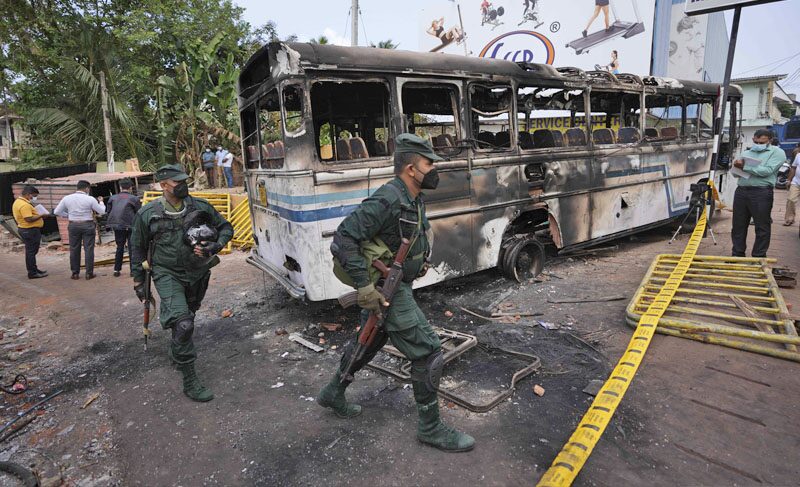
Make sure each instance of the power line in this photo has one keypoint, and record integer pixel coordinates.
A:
(781, 64)
(769, 64)
(363, 25)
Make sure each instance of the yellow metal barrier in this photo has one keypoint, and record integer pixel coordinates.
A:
(220, 201)
(574, 454)
(242, 226)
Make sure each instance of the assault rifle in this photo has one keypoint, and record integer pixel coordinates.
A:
(148, 296)
(392, 277)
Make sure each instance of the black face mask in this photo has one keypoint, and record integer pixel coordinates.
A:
(430, 180)
(181, 190)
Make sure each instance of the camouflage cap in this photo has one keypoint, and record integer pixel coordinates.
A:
(171, 171)
(415, 144)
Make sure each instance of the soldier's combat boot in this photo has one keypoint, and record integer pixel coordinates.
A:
(432, 431)
(192, 387)
(332, 396)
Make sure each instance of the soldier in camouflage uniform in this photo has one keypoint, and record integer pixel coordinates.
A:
(180, 272)
(405, 325)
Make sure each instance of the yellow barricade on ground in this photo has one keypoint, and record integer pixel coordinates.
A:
(220, 201)
(242, 226)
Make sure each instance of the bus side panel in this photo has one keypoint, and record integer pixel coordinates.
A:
(572, 212)
(288, 229)
(338, 198)
(493, 185)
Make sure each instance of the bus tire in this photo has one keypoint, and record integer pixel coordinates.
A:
(524, 259)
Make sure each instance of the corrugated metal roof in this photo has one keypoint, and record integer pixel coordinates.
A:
(770, 77)
(92, 177)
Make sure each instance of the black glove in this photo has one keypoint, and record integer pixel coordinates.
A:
(138, 288)
(211, 248)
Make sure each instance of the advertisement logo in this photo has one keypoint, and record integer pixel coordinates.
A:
(521, 46)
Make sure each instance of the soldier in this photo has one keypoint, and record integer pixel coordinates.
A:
(181, 235)
(379, 219)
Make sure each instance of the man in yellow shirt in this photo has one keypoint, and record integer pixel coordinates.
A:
(30, 225)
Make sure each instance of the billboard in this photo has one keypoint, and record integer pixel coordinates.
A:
(697, 7)
(687, 45)
(615, 35)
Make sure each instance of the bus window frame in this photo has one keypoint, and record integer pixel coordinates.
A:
(456, 101)
(257, 132)
(527, 121)
(387, 83)
(304, 110)
(512, 114)
(261, 144)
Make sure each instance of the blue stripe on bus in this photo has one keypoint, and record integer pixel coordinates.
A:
(320, 198)
(305, 216)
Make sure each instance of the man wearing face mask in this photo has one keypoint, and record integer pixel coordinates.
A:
(180, 271)
(29, 225)
(753, 198)
(394, 211)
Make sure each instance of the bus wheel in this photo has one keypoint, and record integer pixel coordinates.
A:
(524, 259)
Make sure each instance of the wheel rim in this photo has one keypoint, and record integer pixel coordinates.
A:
(525, 260)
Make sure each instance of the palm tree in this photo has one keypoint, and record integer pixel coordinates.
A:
(320, 40)
(387, 44)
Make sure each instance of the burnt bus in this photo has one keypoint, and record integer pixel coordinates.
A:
(534, 155)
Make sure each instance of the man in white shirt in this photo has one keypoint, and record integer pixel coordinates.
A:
(227, 168)
(794, 190)
(79, 208)
(218, 156)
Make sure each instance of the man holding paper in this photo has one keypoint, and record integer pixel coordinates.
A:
(753, 199)
(30, 222)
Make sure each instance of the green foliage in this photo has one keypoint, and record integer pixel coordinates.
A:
(387, 44)
(787, 110)
(170, 66)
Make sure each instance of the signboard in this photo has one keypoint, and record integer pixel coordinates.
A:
(591, 35)
(687, 45)
(697, 7)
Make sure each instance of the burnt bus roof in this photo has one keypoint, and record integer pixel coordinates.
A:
(287, 59)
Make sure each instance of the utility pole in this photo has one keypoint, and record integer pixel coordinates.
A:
(106, 122)
(354, 25)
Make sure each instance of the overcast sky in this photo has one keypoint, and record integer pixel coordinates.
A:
(767, 34)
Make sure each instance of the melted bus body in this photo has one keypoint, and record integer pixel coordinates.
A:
(533, 154)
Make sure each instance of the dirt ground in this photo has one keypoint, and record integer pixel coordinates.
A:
(695, 414)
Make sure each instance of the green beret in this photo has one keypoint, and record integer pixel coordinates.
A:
(171, 171)
(415, 144)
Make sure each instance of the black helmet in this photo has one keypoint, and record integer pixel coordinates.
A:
(196, 235)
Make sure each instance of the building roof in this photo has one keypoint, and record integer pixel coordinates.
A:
(758, 79)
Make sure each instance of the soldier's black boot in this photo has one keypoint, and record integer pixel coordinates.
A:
(332, 396)
(192, 387)
(431, 430)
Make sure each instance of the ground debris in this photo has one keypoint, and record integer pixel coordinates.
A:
(227, 313)
(295, 337)
(331, 326)
(90, 400)
(538, 390)
(594, 386)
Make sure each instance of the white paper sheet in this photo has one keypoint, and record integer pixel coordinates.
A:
(41, 210)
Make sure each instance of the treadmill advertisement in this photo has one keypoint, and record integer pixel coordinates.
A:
(613, 35)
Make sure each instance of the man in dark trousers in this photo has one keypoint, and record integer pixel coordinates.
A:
(121, 209)
(753, 198)
(385, 216)
(80, 209)
(29, 225)
(183, 234)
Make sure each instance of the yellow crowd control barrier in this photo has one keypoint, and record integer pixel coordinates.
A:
(730, 301)
(576, 451)
(242, 226)
(220, 201)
